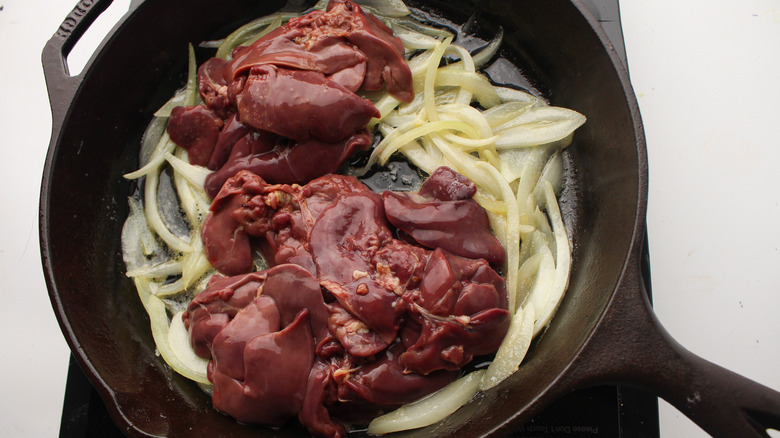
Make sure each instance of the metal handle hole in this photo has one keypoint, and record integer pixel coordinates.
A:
(88, 43)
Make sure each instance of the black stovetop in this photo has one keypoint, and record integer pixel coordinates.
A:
(599, 412)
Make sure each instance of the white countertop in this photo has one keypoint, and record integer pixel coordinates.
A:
(707, 77)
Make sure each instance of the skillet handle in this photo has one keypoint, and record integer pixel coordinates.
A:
(60, 84)
(634, 348)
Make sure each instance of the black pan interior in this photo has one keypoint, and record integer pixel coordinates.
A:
(84, 205)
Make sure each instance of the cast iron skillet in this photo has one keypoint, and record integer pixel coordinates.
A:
(604, 332)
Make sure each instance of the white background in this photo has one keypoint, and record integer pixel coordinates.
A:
(707, 77)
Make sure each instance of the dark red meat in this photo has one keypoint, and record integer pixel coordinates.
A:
(301, 105)
(278, 160)
(389, 321)
(287, 102)
(196, 129)
(443, 215)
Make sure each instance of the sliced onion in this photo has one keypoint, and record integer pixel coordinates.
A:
(509, 94)
(157, 158)
(511, 234)
(475, 83)
(431, 74)
(160, 325)
(419, 157)
(156, 270)
(390, 144)
(179, 339)
(512, 351)
(247, 31)
(563, 261)
(151, 138)
(541, 125)
(195, 175)
(154, 218)
(540, 292)
(487, 52)
(194, 264)
(552, 173)
(506, 112)
(430, 409)
(413, 40)
(178, 99)
(385, 8)
(417, 26)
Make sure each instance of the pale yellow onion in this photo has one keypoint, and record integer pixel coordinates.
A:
(187, 201)
(385, 105)
(430, 409)
(160, 326)
(490, 204)
(156, 222)
(430, 79)
(475, 83)
(385, 8)
(527, 171)
(419, 67)
(440, 125)
(179, 340)
(512, 232)
(542, 116)
(526, 276)
(552, 173)
(464, 96)
(157, 158)
(151, 138)
(434, 152)
(156, 270)
(395, 119)
(149, 244)
(470, 144)
(563, 261)
(468, 114)
(415, 25)
(541, 291)
(543, 225)
(413, 40)
(195, 175)
(540, 125)
(498, 225)
(513, 161)
(532, 244)
(483, 54)
(532, 250)
(508, 94)
(164, 290)
(487, 52)
(419, 157)
(490, 155)
(505, 112)
(178, 99)
(194, 264)
(512, 351)
(245, 32)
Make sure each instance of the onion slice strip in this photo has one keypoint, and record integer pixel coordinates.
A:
(511, 352)
(562, 260)
(158, 316)
(430, 409)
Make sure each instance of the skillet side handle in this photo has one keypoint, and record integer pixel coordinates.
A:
(60, 84)
(634, 348)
